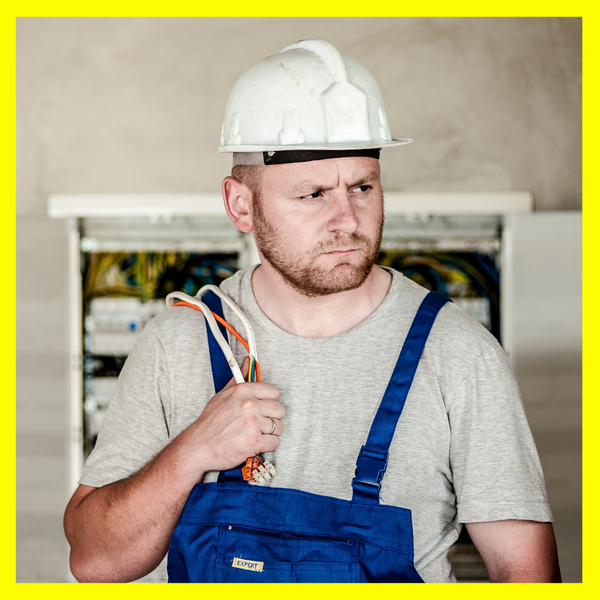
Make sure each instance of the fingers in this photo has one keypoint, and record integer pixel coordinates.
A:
(272, 408)
(263, 391)
(237, 423)
(271, 426)
(259, 398)
(269, 443)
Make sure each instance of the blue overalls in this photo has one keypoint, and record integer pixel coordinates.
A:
(231, 531)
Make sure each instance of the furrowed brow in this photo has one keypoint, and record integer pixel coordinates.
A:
(305, 187)
(308, 186)
(372, 177)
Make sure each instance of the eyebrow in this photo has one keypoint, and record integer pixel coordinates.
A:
(371, 177)
(309, 184)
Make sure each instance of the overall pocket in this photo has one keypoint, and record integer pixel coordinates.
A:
(250, 555)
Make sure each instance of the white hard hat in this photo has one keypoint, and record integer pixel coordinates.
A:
(308, 97)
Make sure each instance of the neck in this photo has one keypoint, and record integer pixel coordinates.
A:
(321, 316)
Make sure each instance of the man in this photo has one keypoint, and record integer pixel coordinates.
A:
(306, 126)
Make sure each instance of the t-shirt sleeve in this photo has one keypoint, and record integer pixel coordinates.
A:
(136, 425)
(495, 467)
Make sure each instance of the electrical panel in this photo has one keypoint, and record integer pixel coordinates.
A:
(122, 291)
(458, 256)
(127, 268)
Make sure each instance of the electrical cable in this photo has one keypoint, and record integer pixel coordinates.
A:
(254, 365)
(211, 318)
(264, 470)
(237, 310)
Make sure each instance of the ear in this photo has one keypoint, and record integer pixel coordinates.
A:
(238, 203)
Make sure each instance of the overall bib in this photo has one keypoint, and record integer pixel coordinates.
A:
(232, 531)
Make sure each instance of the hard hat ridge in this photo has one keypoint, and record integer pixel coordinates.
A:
(306, 97)
(327, 52)
(345, 105)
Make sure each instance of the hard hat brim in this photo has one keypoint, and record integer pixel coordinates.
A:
(317, 146)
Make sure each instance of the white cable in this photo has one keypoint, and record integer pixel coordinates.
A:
(266, 471)
(212, 323)
(237, 310)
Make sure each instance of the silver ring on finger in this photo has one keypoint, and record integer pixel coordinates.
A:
(274, 425)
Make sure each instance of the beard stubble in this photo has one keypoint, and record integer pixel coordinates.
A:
(303, 274)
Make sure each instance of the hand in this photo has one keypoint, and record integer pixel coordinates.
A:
(236, 423)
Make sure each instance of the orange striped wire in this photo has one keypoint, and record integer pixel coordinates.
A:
(228, 327)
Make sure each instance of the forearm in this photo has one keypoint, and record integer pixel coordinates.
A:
(541, 569)
(517, 551)
(525, 576)
(121, 531)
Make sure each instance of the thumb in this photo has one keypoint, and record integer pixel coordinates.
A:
(244, 369)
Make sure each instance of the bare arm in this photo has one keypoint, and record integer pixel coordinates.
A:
(121, 531)
(517, 551)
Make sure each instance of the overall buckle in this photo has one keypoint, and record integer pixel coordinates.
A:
(370, 468)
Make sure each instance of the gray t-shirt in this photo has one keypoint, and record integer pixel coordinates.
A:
(462, 451)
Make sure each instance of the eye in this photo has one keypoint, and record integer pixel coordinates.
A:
(362, 188)
(312, 196)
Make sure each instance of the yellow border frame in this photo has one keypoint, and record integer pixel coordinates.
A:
(306, 8)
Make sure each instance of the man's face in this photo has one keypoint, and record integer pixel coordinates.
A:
(319, 223)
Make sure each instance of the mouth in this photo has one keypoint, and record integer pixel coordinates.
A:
(342, 252)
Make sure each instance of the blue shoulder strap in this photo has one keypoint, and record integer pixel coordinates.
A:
(372, 460)
(220, 370)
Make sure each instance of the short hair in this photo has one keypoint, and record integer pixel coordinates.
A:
(250, 176)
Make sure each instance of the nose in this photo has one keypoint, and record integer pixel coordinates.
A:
(343, 218)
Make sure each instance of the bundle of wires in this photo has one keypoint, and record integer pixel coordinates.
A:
(266, 470)
(254, 367)
(182, 299)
